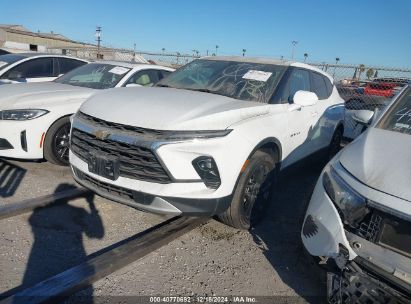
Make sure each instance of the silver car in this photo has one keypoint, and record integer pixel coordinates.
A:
(358, 222)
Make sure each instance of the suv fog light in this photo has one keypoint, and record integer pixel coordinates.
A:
(208, 171)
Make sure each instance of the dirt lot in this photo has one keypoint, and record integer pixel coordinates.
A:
(210, 260)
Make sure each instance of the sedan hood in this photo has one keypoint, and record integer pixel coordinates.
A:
(381, 159)
(40, 95)
(170, 109)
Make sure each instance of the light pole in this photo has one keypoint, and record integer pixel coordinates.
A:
(305, 57)
(162, 50)
(294, 43)
(98, 37)
(244, 50)
(216, 48)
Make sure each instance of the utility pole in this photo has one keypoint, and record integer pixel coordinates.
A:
(294, 43)
(98, 37)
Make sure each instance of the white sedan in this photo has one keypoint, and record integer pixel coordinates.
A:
(35, 117)
(32, 67)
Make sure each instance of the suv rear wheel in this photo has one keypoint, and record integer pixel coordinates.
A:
(253, 192)
(56, 144)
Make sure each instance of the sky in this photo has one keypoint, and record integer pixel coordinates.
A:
(372, 32)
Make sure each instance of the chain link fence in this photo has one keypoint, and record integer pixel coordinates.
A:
(363, 87)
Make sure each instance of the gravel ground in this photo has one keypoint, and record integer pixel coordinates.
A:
(211, 260)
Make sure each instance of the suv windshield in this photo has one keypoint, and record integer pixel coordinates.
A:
(240, 80)
(6, 60)
(398, 117)
(95, 76)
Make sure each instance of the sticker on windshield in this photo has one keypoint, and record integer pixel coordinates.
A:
(2, 63)
(257, 75)
(119, 70)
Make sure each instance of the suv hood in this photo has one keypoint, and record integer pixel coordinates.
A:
(381, 159)
(40, 95)
(170, 109)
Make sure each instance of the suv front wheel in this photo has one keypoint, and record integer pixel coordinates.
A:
(253, 192)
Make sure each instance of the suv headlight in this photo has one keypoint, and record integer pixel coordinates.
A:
(22, 114)
(351, 205)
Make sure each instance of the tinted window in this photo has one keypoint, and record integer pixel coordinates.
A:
(146, 78)
(299, 80)
(318, 86)
(66, 64)
(40, 67)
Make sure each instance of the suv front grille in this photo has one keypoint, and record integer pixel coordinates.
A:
(136, 162)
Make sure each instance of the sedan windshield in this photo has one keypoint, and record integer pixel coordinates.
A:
(8, 59)
(94, 76)
(240, 80)
(398, 117)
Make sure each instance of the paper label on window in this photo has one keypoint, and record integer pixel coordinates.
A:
(257, 75)
(119, 70)
(2, 63)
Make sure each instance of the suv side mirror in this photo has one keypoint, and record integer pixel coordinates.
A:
(363, 117)
(305, 98)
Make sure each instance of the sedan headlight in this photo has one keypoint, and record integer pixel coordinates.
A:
(22, 114)
(351, 205)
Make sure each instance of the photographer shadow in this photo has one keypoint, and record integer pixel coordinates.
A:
(58, 231)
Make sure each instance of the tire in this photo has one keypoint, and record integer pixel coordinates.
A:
(335, 144)
(56, 143)
(252, 193)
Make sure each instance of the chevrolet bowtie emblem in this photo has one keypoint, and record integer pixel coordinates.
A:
(101, 134)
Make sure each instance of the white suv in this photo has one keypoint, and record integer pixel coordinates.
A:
(207, 140)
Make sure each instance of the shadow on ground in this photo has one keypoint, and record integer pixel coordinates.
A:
(10, 178)
(58, 231)
(278, 234)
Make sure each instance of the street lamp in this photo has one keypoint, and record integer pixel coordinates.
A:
(216, 48)
(244, 50)
(305, 57)
(336, 62)
(294, 43)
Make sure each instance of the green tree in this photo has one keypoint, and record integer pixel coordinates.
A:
(370, 73)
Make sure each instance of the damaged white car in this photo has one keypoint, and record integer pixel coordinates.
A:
(359, 219)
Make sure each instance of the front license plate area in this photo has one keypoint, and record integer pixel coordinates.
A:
(104, 165)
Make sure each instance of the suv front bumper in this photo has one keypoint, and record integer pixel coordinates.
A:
(152, 203)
